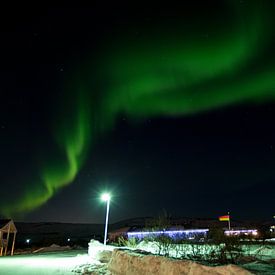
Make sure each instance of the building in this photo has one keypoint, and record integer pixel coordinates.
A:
(7, 228)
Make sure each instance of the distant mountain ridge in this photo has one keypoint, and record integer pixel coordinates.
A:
(73, 233)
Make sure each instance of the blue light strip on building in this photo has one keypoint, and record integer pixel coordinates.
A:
(170, 233)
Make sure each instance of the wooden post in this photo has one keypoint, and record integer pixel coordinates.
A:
(1, 243)
(13, 242)
(6, 248)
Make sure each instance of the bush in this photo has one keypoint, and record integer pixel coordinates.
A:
(132, 242)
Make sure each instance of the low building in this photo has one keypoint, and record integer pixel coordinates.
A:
(120, 232)
(187, 234)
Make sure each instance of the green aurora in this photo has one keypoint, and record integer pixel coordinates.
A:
(168, 71)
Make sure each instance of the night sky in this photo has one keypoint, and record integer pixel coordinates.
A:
(167, 107)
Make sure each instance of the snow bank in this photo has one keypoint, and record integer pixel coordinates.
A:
(99, 252)
(131, 263)
(270, 240)
(53, 248)
(263, 251)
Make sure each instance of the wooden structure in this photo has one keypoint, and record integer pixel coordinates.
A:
(7, 228)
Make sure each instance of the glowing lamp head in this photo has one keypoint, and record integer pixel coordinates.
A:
(105, 197)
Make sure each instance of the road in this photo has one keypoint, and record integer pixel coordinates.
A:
(43, 264)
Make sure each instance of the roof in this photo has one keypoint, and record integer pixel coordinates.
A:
(120, 231)
(4, 222)
(7, 224)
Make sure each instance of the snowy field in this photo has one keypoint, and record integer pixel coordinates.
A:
(44, 264)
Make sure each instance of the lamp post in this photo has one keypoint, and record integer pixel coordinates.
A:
(106, 197)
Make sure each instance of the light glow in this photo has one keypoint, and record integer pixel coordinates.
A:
(53, 262)
(106, 197)
(242, 232)
(170, 233)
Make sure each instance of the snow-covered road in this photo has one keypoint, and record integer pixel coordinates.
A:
(43, 264)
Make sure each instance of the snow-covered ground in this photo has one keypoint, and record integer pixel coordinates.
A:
(260, 258)
(53, 261)
(261, 252)
(44, 264)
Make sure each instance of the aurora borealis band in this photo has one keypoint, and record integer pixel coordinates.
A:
(195, 60)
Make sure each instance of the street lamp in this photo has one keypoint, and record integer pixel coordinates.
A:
(106, 197)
